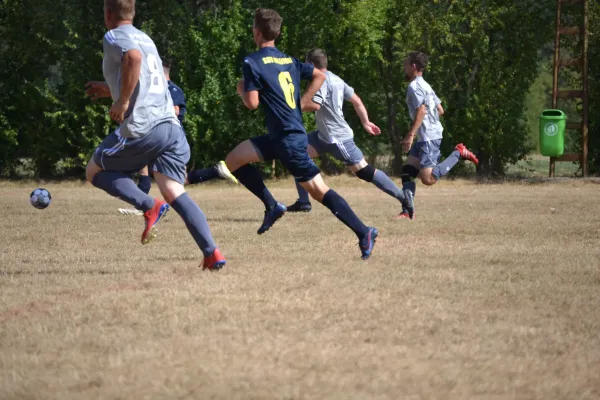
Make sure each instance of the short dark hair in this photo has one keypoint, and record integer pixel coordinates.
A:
(125, 9)
(418, 58)
(318, 57)
(268, 22)
(167, 63)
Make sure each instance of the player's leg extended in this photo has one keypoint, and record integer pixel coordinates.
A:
(249, 151)
(169, 172)
(219, 170)
(431, 171)
(342, 210)
(303, 202)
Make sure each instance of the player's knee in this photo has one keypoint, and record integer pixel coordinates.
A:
(409, 173)
(428, 180)
(367, 173)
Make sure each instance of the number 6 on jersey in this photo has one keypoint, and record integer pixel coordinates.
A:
(285, 80)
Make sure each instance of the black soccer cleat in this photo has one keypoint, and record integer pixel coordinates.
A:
(299, 207)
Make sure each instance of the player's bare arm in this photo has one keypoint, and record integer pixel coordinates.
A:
(407, 142)
(440, 110)
(315, 84)
(97, 90)
(250, 99)
(130, 72)
(362, 113)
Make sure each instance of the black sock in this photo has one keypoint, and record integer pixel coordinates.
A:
(251, 179)
(144, 183)
(202, 175)
(340, 208)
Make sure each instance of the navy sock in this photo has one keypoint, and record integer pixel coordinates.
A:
(340, 208)
(144, 183)
(445, 166)
(302, 194)
(195, 220)
(122, 186)
(251, 179)
(202, 175)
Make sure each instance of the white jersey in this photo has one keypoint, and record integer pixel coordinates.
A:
(420, 93)
(332, 126)
(150, 104)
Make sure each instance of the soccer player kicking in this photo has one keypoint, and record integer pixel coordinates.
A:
(425, 109)
(334, 135)
(272, 78)
(149, 132)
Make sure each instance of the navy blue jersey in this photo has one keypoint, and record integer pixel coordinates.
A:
(276, 76)
(178, 99)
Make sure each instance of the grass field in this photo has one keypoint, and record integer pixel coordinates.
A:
(488, 294)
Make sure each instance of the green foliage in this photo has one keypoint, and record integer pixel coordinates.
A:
(483, 58)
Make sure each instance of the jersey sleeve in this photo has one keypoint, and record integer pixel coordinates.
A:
(306, 70)
(321, 95)
(251, 78)
(115, 45)
(415, 98)
(348, 91)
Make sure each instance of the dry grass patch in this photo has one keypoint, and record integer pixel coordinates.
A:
(487, 294)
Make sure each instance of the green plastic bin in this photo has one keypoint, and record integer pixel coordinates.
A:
(552, 133)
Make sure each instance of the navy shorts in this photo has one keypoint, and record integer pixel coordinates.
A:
(165, 150)
(428, 152)
(291, 150)
(346, 151)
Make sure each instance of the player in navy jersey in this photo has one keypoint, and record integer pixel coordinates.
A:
(272, 79)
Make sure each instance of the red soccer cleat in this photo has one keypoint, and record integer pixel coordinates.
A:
(467, 154)
(153, 217)
(214, 262)
(404, 215)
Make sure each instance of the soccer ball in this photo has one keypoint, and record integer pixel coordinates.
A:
(40, 198)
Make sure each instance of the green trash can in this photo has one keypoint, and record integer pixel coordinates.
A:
(552, 133)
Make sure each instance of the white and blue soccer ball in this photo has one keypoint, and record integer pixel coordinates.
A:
(40, 198)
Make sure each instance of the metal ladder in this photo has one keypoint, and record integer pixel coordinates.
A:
(582, 63)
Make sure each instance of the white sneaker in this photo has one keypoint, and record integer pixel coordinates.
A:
(129, 211)
(224, 172)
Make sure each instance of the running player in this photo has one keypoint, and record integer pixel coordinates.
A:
(334, 135)
(179, 104)
(272, 78)
(425, 109)
(149, 132)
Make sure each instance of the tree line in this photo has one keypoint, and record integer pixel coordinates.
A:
(484, 57)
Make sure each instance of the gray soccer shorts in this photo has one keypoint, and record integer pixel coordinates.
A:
(428, 152)
(346, 151)
(165, 150)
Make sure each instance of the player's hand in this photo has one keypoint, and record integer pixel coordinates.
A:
(407, 143)
(97, 90)
(118, 110)
(372, 129)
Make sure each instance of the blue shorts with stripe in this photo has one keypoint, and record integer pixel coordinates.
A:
(427, 152)
(346, 151)
(291, 150)
(165, 150)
